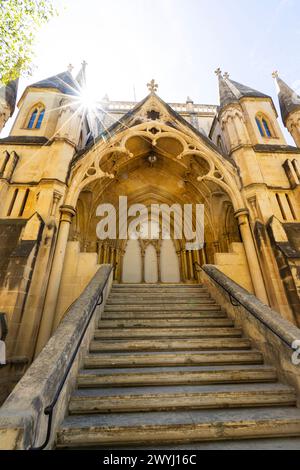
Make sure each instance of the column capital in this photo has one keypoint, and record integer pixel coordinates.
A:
(241, 212)
(67, 213)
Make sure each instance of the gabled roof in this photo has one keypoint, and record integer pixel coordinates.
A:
(232, 92)
(8, 94)
(129, 119)
(289, 100)
(64, 82)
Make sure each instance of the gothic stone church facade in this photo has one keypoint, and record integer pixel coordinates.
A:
(59, 163)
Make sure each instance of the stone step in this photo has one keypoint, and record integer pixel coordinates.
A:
(207, 316)
(149, 295)
(163, 324)
(142, 333)
(180, 398)
(207, 358)
(160, 292)
(159, 287)
(159, 301)
(161, 428)
(207, 306)
(170, 345)
(141, 377)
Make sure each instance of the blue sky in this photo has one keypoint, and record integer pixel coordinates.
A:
(180, 43)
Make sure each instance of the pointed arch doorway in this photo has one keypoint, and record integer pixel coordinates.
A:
(150, 262)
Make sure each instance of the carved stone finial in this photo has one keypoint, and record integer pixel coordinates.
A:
(152, 86)
(226, 75)
(275, 74)
(70, 68)
(218, 72)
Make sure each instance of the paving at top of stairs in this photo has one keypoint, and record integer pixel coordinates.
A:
(168, 367)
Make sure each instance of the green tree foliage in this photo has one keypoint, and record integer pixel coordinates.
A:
(19, 22)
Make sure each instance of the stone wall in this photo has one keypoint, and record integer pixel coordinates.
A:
(23, 423)
(234, 265)
(271, 334)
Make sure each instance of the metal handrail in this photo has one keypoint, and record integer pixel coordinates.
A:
(48, 411)
(231, 297)
(240, 303)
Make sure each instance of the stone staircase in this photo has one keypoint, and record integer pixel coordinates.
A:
(168, 367)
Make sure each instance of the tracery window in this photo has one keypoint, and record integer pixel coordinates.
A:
(36, 117)
(264, 126)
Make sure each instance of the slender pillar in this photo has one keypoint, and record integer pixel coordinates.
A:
(118, 268)
(122, 253)
(252, 257)
(158, 267)
(184, 273)
(186, 265)
(197, 258)
(143, 267)
(105, 254)
(49, 321)
(191, 265)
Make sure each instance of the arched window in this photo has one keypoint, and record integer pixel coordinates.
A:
(264, 126)
(260, 127)
(36, 117)
(40, 119)
(32, 119)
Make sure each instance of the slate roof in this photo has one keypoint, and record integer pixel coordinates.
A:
(232, 92)
(64, 82)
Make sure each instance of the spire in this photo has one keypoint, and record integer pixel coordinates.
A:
(8, 95)
(226, 93)
(232, 92)
(289, 100)
(81, 77)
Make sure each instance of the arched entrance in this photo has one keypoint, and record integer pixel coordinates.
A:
(169, 172)
(160, 161)
(150, 262)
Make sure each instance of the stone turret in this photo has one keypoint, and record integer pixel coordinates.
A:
(247, 116)
(289, 102)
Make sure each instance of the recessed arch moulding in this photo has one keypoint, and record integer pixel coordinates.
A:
(184, 171)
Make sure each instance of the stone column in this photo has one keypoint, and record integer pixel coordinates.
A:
(184, 274)
(197, 258)
(49, 320)
(122, 253)
(204, 254)
(158, 267)
(105, 254)
(191, 265)
(251, 254)
(143, 254)
(186, 265)
(118, 261)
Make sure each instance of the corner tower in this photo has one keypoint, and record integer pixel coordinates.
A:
(289, 102)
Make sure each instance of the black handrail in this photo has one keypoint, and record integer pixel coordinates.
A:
(239, 303)
(48, 411)
(231, 297)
